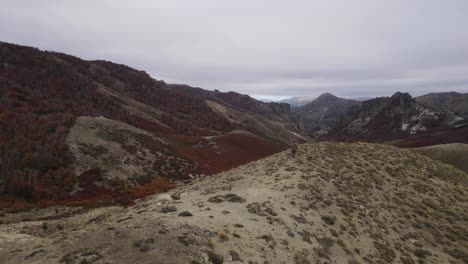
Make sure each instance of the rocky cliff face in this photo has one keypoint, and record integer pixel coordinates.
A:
(394, 117)
(456, 102)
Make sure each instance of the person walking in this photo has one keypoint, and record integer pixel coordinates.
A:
(294, 149)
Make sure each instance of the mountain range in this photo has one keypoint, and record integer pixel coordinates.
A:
(399, 119)
(101, 163)
(73, 130)
(402, 120)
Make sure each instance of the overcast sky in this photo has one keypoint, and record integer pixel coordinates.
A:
(269, 48)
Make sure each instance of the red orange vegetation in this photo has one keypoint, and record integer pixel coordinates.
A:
(42, 94)
(225, 151)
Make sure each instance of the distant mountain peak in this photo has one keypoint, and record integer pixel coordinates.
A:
(404, 99)
(318, 116)
(327, 95)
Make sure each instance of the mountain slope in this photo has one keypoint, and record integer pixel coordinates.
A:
(394, 118)
(456, 102)
(42, 95)
(274, 121)
(455, 154)
(334, 203)
(320, 115)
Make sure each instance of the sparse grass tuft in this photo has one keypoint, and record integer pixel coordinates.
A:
(210, 243)
(223, 236)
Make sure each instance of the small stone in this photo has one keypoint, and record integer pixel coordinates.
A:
(143, 245)
(230, 197)
(330, 220)
(175, 196)
(168, 209)
(185, 214)
(234, 255)
(214, 258)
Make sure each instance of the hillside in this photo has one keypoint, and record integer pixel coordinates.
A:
(44, 94)
(456, 102)
(401, 118)
(334, 203)
(455, 154)
(320, 115)
(274, 121)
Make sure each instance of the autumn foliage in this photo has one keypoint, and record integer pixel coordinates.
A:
(42, 93)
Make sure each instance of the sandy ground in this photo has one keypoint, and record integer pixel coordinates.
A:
(333, 203)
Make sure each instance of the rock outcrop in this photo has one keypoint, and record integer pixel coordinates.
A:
(456, 102)
(390, 118)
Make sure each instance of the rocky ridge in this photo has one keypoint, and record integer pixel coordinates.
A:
(389, 118)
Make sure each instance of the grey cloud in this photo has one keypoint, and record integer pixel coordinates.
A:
(272, 48)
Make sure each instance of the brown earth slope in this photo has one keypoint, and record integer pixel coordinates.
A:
(334, 203)
(44, 95)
